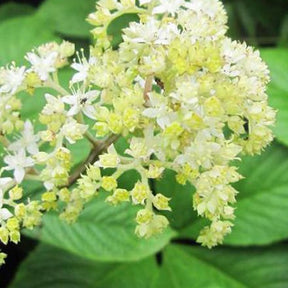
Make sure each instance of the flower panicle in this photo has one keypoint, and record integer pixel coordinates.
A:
(183, 95)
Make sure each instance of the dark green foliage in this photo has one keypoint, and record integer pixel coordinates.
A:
(101, 250)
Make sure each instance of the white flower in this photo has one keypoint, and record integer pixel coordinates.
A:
(73, 130)
(208, 7)
(201, 152)
(143, 148)
(5, 183)
(138, 149)
(187, 92)
(143, 2)
(167, 33)
(11, 79)
(53, 106)
(167, 6)
(150, 32)
(43, 65)
(140, 81)
(109, 159)
(232, 51)
(81, 101)
(4, 212)
(18, 162)
(142, 33)
(159, 110)
(28, 140)
(82, 68)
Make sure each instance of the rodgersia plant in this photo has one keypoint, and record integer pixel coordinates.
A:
(184, 96)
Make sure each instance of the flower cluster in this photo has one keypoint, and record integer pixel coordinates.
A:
(184, 96)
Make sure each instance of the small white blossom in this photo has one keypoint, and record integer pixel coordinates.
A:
(170, 7)
(82, 69)
(138, 149)
(11, 79)
(73, 130)
(28, 140)
(81, 101)
(143, 2)
(208, 7)
(159, 110)
(5, 183)
(201, 152)
(109, 159)
(53, 105)
(4, 212)
(151, 32)
(18, 162)
(42, 65)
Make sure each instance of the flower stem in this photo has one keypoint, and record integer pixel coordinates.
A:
(148, 88)
(87, 134)
(92, 157)
(52, 84)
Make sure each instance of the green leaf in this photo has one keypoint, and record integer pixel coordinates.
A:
(233, 21)
(12, 9)
(267, 17)
(224, 268)
(262, 206)
(79, 151)
(20, 35)
(48, 267)
(183, 267)
(181, 200)
(103, 233)
(277, 60)
(283, 38)
(248, 20)
(33, 104)
(68, 17)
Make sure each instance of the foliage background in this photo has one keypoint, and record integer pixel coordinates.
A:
(101, 251)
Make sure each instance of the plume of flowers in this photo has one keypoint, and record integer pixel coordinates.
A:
(183, 95)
